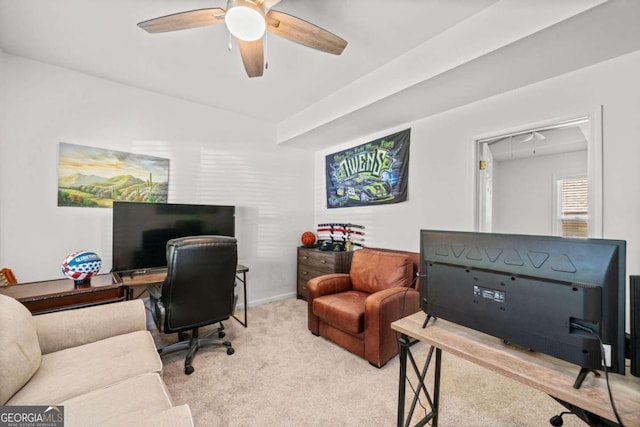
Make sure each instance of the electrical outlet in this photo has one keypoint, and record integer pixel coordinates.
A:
(607, 355)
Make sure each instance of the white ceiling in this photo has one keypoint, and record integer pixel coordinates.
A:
(393, 45)
(546, 142)
(100, 38)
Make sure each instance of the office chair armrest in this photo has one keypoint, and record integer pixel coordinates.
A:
(71, 328)
(158, 313)
(154, 291)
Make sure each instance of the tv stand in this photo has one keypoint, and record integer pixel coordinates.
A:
(539, 371)
(579, 379)
(426, 320)
(582, 375)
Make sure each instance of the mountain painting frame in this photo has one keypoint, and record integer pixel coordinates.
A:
(95, 177)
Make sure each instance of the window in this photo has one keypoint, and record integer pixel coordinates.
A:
(573, 203)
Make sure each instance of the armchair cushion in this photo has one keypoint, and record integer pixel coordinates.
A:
(344, 310)
(373, 271)
(20, 356)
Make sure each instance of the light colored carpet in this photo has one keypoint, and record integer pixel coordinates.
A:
(282, 375)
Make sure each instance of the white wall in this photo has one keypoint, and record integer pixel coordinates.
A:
(442, 159)
(523, 191)
(2, 114)
(441, 184)
(216, 157)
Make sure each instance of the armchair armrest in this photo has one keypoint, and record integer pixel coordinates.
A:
(64, 329)
(326, 284)
(380, 310)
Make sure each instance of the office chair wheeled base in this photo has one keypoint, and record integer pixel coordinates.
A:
(193, 342)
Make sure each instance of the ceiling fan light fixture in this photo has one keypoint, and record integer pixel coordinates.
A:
(245, 20)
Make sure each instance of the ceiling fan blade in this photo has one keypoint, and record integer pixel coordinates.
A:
(184, 20)
(252, 57)
(303, 32)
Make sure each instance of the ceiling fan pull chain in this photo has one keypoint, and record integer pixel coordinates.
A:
(266, 52)
(230, 44)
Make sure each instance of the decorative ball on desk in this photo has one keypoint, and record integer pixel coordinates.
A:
(308, 238)
(81, 265)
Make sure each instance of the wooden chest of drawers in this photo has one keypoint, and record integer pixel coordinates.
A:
(313, 262)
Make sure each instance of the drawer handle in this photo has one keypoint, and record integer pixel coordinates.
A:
(323, 261)
(304, 273)
(305, 257)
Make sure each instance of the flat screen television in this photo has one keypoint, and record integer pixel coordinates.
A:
(141, 230)
(540, 292)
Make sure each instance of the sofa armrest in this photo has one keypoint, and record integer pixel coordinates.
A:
(326, 284)
(71, 328)
(380, 310)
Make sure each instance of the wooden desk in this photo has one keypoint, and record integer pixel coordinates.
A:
(62, 294)
(552, 376)
(157, 277)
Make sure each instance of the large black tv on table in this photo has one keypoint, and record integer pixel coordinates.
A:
(558, 296)
(141, 230)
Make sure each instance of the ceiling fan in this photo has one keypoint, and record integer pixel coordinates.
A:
(247, 21)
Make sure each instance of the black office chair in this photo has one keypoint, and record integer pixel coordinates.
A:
(198, 291)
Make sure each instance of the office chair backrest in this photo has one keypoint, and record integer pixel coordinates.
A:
(199, 287)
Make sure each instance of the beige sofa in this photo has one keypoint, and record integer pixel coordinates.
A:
(99, 363)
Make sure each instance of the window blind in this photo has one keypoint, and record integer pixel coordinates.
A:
(574, 206)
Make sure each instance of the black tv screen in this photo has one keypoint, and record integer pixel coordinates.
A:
(538, 292)
(141, 230)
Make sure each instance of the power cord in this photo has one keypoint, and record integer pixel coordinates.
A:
(403, 307)
(604, 366)
(556, 420)
(404, 296)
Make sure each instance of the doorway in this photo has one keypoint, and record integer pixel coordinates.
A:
(544, 179)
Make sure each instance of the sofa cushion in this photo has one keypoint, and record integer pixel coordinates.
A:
(344, 310)
(71, 328)
(137, 401)
(373, 271)
(73, 371)
(178, 416)
(20, 354)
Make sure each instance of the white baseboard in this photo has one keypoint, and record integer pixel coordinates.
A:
(262, 301)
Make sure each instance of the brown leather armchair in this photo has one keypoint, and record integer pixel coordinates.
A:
(355, 310)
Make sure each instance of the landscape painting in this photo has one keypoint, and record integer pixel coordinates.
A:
(95, 177)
